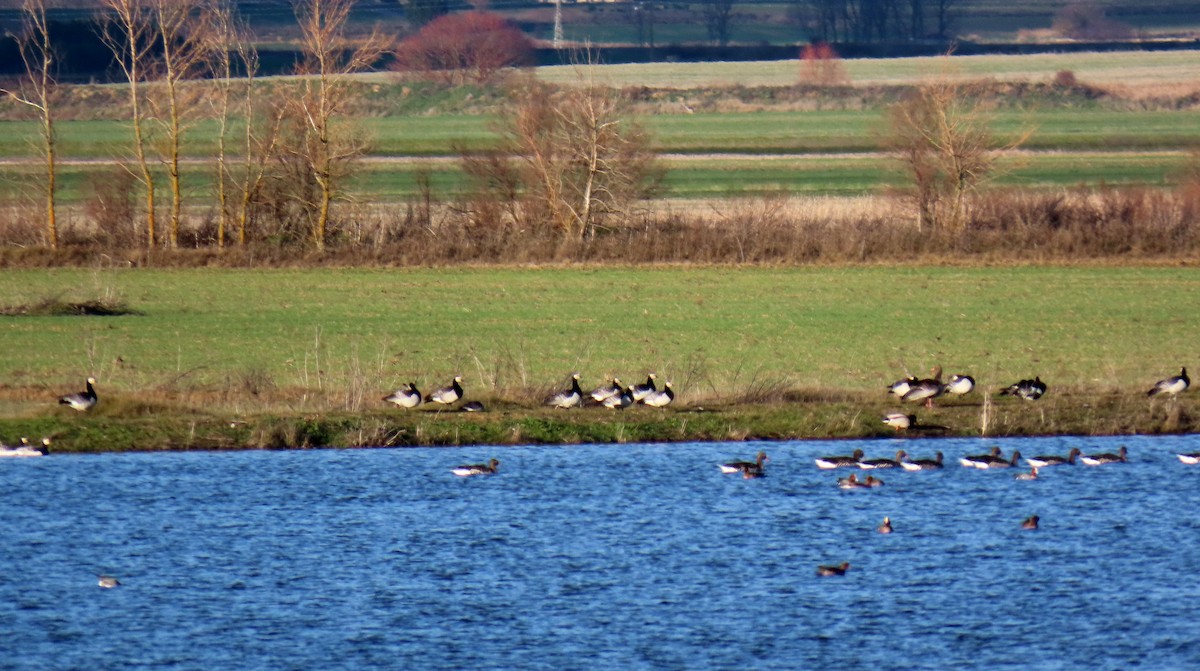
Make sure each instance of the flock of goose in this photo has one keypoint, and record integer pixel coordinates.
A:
(613, 395)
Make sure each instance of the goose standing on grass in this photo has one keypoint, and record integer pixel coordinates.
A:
(408, 397)
(660, 398)
(871, 464)
(900, 387)
(466, 470)
(448, 395)
(1192, 459)
(828, 463)
(899, 421)
(1030, 390)
(828, 570)
(619, 401)
(81, 401)
(601, 394)
(1030, 522)
(641, 391)
(926, 390)
(1054, 460)
(1171, 385)
(923, 464)
(568, 398)
(960, 385)
(25, 450)
(738, 466)
(1120, 457)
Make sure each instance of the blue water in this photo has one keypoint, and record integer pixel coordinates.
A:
(598, 557)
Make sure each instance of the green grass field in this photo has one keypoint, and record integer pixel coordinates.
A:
(710, 329)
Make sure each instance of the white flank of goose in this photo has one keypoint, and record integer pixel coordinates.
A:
(871, 464)
(960, 384)
(1171, 385)
(25, 450)
(1193, 458)
(1030, 390)
(926, 390)
(739, 466)
(660, 398)
(1108, 458)
(923, 464)
(447, 395)
(1053, 460)
(900, 387)
(568, 398)
(641, 391)
(971, 460)
(599, 394)
(997, 461)
(408, 397)
(466, 470)
(83, 400)
(618, 401)
(829, 463)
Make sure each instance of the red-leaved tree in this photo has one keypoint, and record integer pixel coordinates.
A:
(467, 47)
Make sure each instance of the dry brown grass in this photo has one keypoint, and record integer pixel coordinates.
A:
(1069, 225)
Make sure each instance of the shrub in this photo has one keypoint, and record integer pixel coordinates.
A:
(468, 47)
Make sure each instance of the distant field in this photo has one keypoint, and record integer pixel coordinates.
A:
(1133, 68)
(714, 331)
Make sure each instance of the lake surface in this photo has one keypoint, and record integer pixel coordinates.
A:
(599, 557)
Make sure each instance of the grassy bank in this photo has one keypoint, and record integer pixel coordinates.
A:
(272, 358)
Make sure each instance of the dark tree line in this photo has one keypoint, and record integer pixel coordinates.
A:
(878, 20)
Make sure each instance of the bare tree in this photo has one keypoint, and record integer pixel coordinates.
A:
(329, 58)
(718, 19)
(259, 135)
(180, 27)
(36, 91)
(572, 158)
(128, 32)
(941, 135)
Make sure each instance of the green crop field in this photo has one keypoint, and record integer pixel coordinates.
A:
(708, 328)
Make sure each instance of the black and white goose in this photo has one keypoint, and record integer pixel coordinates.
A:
(568, 398)
(660, 398)
(960, 385)
(600, 394)
(996, 461)
(926, 390)
(408, 397)
(476, 469)
(25, 449)
(829, 463)
(1120, 457)
(641, 391)
(619, 401)
(84, 400)
(1030, 390)
(739, 466)
(472, 406)
(1053, 459)
(1171, 385)
(971, 460)
(448, 395)
(923, 464)
(872, 464)
(900, 387)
